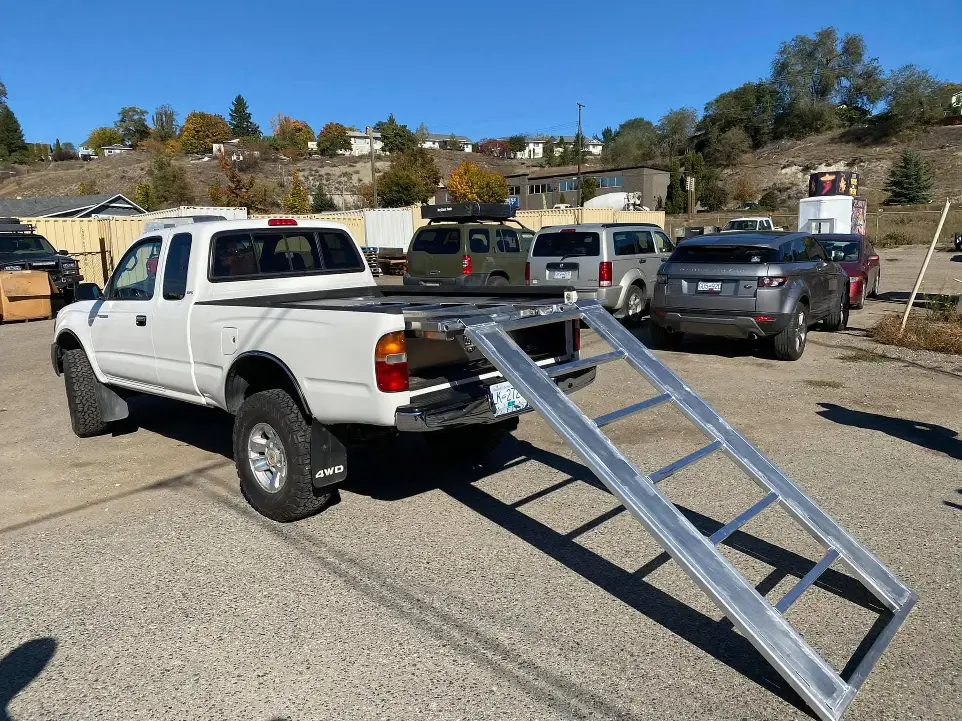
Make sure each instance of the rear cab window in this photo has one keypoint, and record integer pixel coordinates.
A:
(271, 253)
(438, 240)
(566, 243)
(687, 253)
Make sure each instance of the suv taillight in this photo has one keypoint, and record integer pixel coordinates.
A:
(604, 274)
(771, 282)
(527, 273)
(466, 265)
(391, 363)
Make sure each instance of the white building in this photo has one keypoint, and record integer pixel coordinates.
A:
(85, 153)
(533, 149)
(594, 146)
(438, 142)
(361, 144)
(115, 150)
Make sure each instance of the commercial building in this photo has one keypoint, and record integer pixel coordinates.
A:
(545, 188)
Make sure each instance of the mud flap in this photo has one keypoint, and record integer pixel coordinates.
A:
(113, 406)
(328, 456)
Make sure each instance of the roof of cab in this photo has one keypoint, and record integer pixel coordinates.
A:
(210, 227)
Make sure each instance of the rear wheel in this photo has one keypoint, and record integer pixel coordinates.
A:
(497, 280)
(790, 343)
(634, 305)
(469, 444)
(663, 339)
(875, 290)
(860, 302)
(838, 318)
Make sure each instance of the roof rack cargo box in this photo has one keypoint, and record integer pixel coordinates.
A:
(468, 211)
(13, 225)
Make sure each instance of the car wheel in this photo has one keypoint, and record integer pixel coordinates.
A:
(272, 452)
(634, 305)
(661, 338)
(497, 280)
(838, 318)
(875, 290)
(789, 344)
(860, 301)
(469, 444)
(86, 416)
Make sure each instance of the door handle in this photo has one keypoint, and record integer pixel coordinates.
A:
(141, 320)
(642, 260)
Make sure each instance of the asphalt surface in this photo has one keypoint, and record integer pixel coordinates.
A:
(136, 583)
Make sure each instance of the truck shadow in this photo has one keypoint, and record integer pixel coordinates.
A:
(20, 667)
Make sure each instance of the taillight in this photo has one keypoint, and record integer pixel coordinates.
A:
(391, 363)
(527, 273)
(281, 221)
(466, 265)
(604, 274)
(771, 282)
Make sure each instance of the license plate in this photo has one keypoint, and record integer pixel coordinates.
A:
(561, 275)
(705, 286)
(505, 399)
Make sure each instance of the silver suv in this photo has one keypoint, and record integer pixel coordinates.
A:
(613, 262)
(749, 285)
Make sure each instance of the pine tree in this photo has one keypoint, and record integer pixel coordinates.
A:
(677, 201)
(297, 201)
(142, 196)
(910, 180)
(241, 122)
(321, 201)
(12, 143)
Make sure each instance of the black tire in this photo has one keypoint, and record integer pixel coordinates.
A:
(86, 417)
(838, 318)
(789, 344)
(875, 288)
(469, 444)
(634, 298)
(296, 497)
(661, 338)
(497, 280)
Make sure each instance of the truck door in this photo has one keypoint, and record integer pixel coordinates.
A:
(120, 330)
(169, 326)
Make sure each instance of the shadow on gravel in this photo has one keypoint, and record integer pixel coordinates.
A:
(21, 666)
(953, 504)
(209, 429)
(928, 435)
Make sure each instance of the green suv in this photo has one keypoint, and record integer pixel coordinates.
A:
(468, 244)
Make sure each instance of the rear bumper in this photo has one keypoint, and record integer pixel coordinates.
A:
(469, 404)
(728, 324)
(608, 297)
(475, 279)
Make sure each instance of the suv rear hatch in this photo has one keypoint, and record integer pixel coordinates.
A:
(715, 277)
(435, 252)
(565, 257)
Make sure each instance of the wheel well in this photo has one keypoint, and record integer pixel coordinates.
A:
(804, 301)
(65, 341)
(498, 273)
(258, 372)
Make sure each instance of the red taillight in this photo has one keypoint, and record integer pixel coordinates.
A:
(569, 230)
(527, 273)
(767, 282)
(765, 318)
(604, 274)
(466, 265)
(391, 363)
(281, 221)
(576, 335)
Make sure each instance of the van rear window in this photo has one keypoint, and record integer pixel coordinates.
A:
(556, 245)
(685, 253)
(438, 241)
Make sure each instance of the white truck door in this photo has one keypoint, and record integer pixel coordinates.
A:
(169, 326)
(120, 331)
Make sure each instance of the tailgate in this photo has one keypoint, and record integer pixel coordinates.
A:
(566, 257)
(712, 287)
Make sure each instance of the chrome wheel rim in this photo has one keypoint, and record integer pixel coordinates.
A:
(267, 458)
(800, 330)
(634, 305)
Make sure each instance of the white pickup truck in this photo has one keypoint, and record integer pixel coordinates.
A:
(749, 223)
(280, 323)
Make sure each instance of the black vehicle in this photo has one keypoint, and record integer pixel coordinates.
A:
(759, 285)
(23, 249)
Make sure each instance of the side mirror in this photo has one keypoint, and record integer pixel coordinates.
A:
(62, 252)
(88, 291)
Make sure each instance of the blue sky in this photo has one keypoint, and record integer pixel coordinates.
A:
(475, 68)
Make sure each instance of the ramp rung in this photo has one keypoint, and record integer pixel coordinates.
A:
(629, 410)
(807, 580)
(514, 324)
(577, 365)
(660, 475)
(729, 528)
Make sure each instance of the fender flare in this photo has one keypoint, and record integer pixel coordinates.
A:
(56, 351)
(231, 372)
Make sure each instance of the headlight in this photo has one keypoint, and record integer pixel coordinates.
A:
(71, 264)
(12, 267)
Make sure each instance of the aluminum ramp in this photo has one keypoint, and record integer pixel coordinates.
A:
(763, 623)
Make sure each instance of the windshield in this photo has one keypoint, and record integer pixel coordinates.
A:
(25, 246)
(565, 243)
(840, 250)
(742, 225)
(686, 253)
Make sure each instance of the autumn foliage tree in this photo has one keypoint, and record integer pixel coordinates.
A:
(100, 138)
(201, 130)
(291, 136)
(472, 183)
(332, 139)
(298, 200)
(241, 191)
(493, 146)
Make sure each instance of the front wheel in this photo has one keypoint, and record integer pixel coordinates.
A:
(272, 452)
(86, 416)
(789, 344)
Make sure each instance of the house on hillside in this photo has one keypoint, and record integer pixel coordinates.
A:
(115, 150)
(594, 146)
(69, 206)
(534, 148)
(234, 151)
(361, 144)
(437, 141)
(85, 153)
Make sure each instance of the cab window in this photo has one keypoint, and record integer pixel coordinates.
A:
(664, 243)
(175, 269)
(479, 240)
(136, 274)
(625, 243)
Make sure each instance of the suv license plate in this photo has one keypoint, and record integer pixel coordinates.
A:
(705, 286)
(561, 275)
(505, 399)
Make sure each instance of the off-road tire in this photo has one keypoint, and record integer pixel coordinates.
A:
(497, 280)
(469, 444)
(297, 498)
(662, 339)
(86, 416)
(633, 292)
(838, 318)
(785, 344)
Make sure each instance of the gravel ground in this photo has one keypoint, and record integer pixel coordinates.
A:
(135, 582)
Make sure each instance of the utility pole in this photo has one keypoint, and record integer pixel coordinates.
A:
(580, 142)
(370, 140)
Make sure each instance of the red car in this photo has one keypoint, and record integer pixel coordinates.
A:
(860, 261)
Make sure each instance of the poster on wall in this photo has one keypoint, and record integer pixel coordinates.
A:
(859, 209)
(833, 182)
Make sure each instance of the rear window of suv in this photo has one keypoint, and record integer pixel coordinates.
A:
(438, 241)
(576, 243)
(686, 253)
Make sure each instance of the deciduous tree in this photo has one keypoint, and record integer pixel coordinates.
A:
(395, 138)
(297, 201)
(142, 196)
(100, 138)
(242, 125)
(165, 123)
(291, 136)
(201, 130)
(412, 178)
(675, 130)
(241, 191)
(87, 187)
(493, 146)
(910, 180)
(913, 99)
(132, 125)
(333, 139)
(517, 144)
(636, 142)
(168, 183)
(471, 183)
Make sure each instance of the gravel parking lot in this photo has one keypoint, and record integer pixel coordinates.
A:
(136, 583)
